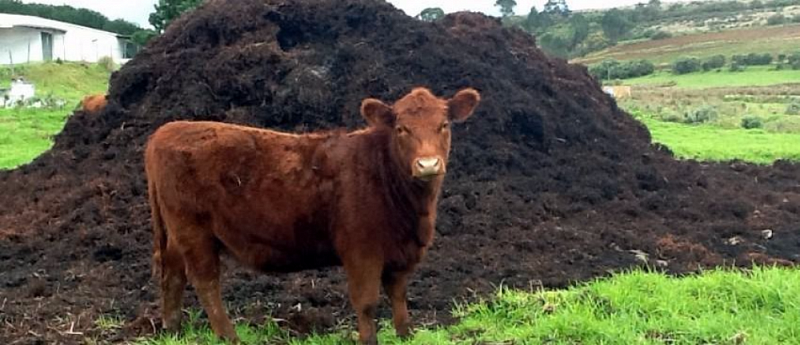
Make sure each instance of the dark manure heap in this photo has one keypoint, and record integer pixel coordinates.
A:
(550, 182)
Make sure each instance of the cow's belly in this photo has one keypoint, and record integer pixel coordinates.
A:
(272, 245)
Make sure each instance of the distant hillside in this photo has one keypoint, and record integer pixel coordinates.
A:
(569, 34)
(775, 40)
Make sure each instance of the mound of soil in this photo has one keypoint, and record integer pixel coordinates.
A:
(550, 183)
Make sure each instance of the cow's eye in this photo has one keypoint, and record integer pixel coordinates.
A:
(444, 126)
(402, 130)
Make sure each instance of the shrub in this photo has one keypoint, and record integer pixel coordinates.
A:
(793, 108)
(107, 63)
(776, 19)
(736, 67)
(763, 59)
(796, 18)
(670, 116)
(752, 59)
(700, 115)
(751, 122)
(613, 69)
(686, 65)
(714, 62)
(640, 68)
(660, 35)
(794, 60)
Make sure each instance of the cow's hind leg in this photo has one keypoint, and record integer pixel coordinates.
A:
(203, 263)
(173, 283)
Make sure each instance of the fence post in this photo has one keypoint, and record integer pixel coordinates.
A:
(11, 60)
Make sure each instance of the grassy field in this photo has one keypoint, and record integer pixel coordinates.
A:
(26, 133)
(752, 76)
(69, 81)
(666, 113)
(772, 39)
(712, 143)
(717, 307)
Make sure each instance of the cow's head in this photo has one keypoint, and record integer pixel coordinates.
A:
(419, 124)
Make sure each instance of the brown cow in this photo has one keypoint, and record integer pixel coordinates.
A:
(93, 103)
(281, 202)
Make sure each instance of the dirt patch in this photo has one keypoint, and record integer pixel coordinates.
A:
(550, 183)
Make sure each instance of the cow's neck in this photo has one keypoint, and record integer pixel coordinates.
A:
(412, 201)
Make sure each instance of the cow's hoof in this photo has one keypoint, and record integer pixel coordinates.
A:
(370, 341)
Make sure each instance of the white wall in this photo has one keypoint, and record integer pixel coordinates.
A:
(17, 41)
(89, 45)
(70, 42)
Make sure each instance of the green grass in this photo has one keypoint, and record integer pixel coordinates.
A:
(69, 81)
(752, 76)
(26, 133)
(712, 143)
(761, 306)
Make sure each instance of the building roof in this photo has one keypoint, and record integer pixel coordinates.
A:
(8, 21)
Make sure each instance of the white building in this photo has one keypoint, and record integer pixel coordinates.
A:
(26, 39)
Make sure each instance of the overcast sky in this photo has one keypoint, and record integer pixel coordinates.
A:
(137, 11)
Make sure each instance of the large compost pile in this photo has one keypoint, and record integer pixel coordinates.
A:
(550, 183)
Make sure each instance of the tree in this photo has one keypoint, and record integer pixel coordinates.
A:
(168, 10)
(565, 11)
(557, 7)
(506, 7)
(536, 21)
(579, 29)
(714, 62)
(614, 24)
(430, 14)
(686, 65)
(554, 44)
(141, 37)
(551, 7)
(776, 19)
(121, 26)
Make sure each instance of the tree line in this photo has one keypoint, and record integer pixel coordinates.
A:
(69, 14)
(611, 69)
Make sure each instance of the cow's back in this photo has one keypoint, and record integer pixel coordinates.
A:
(94, 103)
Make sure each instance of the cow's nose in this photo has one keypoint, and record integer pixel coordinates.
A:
(429, 166)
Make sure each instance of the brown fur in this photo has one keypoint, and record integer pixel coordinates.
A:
(282, 202)
(94, 103)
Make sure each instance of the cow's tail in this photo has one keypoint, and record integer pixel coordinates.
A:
(159, 231)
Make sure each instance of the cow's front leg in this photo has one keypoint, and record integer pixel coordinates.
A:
(395, 284)
(364, 281)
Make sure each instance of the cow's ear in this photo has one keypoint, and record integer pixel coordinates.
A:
(377, 113)
(461, 106)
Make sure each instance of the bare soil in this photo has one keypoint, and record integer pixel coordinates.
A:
(550, 183)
